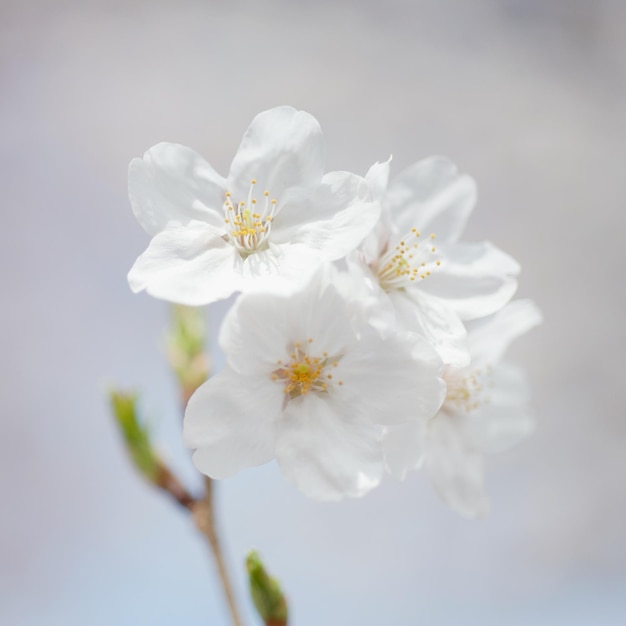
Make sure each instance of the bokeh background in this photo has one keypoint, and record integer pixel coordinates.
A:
(529, 96)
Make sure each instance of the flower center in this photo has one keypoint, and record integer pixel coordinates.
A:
(408, 261)
(304, 373)
(467, 391)
(249, 222)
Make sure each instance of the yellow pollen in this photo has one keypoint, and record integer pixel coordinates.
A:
(304, 373)
(467, 392)
(248, 231)
(401, 264)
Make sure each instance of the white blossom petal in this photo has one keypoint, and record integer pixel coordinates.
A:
(173, 185)
(426, 315)
(489, 337)
(377, 178)
(282, 148)
(334, 219)
(431, 196)
(229, 420)
(279, 268)
(505, 420)
(456, 470)
(403, 447)
(262, 327)
(190, 265)
(325, 457)
(403, 369)
(474, 279)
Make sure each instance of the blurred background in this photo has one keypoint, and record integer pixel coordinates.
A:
(529, 96)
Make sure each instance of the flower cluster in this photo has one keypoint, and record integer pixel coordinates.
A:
(366, 337)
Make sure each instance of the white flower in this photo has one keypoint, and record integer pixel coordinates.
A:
(270, 223)
(309, 382)
(432, 280)
(485, 411)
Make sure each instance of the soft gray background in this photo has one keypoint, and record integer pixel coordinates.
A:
(526, 95)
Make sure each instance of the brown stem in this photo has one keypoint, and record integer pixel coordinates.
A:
(168, 482)
(204, 515)
(203, 511)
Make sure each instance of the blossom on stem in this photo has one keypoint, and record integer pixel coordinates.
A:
(270, 223)
(485, 411)
(310, 382)
(416, 261)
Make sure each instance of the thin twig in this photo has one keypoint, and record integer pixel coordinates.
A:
(166, 481)
(204, 515)
(203, 512)
(190, 362)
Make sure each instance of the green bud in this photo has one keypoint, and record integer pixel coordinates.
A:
(185, 348)
(135, 434)
(266, 593)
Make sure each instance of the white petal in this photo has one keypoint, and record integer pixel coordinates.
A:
(279, 268)
(229, 420)
(253, 333)
(262, 327)
(505, 421)
(474, 279)
(456, 470)
(334, 219)
(403, 446)
(322, 455)
(377, 178)
(173, 185)
(431, 196)
(391, 380)
(374, 245)
(489, 337)
(191, 266)
(432, 318)
(282, 148)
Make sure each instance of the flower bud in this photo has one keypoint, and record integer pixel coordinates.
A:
(185, 348)
(135, 434)
(266, 593)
